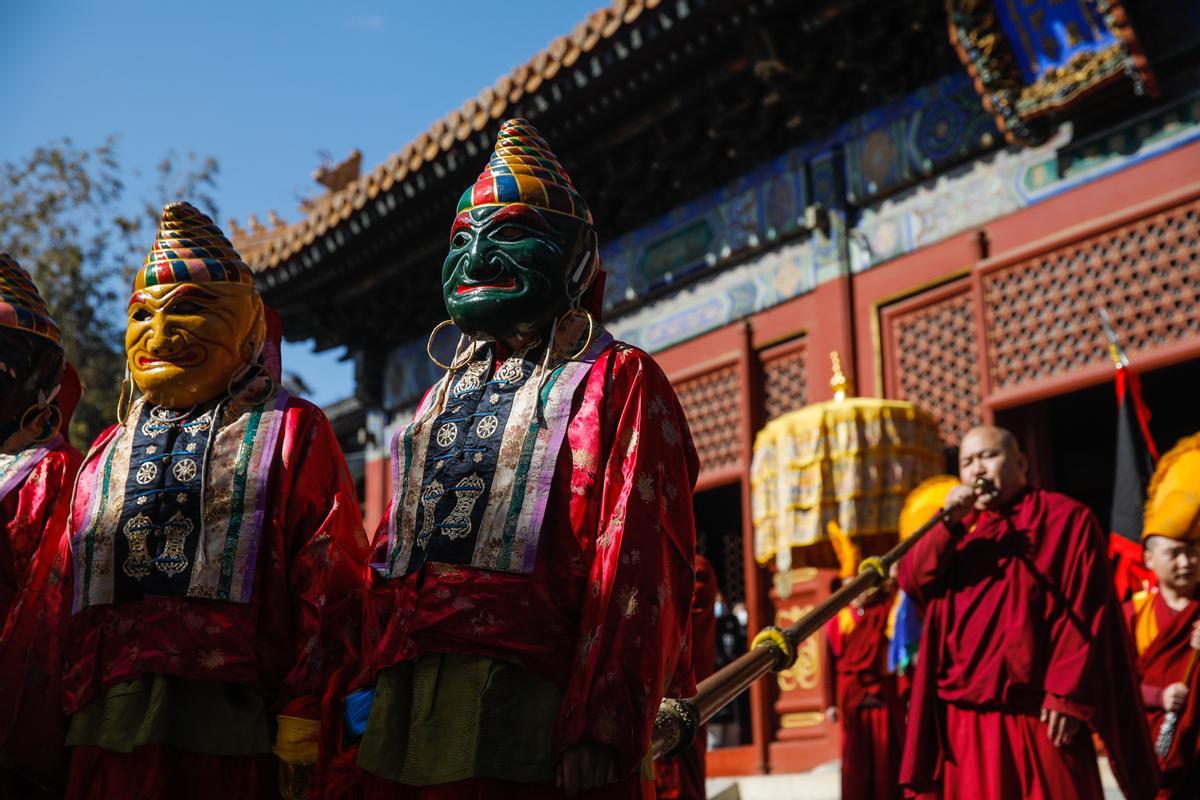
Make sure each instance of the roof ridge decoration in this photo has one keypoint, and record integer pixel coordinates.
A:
(474, 117)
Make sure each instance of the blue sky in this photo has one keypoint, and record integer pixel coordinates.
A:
(263, 87)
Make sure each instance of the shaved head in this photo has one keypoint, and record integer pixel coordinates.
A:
(992, 453)
(996, 435)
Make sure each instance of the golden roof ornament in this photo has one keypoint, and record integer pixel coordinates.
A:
(840, 384)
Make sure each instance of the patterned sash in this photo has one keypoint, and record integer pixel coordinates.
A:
(156, 542)
(15, 467)
(460, 493)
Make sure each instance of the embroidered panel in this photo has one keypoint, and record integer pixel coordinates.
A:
(15, 467)
(155, 548)
(472, 472)
(178, 505)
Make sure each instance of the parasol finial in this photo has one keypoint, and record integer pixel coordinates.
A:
(839, 382)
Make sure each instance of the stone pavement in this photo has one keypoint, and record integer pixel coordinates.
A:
(821, 783)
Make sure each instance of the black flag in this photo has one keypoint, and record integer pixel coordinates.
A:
(1135, 460)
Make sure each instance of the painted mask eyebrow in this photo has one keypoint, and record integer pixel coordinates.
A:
(522, 215)
(183, 290)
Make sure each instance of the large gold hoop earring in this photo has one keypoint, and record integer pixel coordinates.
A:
(245, 375)
(50, 430)
(455, 362)
(591, 332)
(125, 398)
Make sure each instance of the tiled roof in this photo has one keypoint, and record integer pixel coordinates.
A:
(265, 250)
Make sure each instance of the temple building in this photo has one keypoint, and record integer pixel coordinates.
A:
(944, 192)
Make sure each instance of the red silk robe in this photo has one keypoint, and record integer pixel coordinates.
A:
(1020, 614)
(289, 641)
(1164, 662)
(868, 702)
(604, 613)
(682, 777)
(32, 521)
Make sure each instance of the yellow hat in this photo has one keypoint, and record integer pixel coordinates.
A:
(1176, 516)
(1177, 472)
(923, 502)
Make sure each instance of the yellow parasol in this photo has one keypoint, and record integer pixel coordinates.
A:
(850, 461)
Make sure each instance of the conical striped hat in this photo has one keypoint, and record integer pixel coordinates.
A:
(190, 248)
(523, 170)
(21, 307)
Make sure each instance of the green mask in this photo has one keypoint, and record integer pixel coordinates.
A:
(513, 268)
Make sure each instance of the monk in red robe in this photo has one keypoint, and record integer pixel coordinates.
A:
(38, 391)
(1165, 621)
(868, 703)
(864, 693)
(1024, 648)
(217, 551)
(533, 577)
(682, 777)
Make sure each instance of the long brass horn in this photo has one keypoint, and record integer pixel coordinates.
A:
(774, 649)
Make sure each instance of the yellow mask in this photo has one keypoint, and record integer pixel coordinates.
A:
(186, 342)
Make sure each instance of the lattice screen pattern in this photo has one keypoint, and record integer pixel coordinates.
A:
(710, 402)
(1042, 312)
(785, 383)
(938, 367)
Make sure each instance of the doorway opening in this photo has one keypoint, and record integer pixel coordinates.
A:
(1071, 438)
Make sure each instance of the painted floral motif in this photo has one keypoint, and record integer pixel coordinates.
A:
(670, 433)
(627, 601)
(645, 487)
(212, 659)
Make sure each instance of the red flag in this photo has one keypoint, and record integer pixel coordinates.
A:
(1136, 456)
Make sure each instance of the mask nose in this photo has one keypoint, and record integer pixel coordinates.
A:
(484, 266)
(162, 340)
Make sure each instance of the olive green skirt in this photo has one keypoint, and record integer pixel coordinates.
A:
(445, 718)
(221, 719)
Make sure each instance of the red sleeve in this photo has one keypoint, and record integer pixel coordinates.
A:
(31, 723)
(634, 618)
(327, 551)
(1085, 589)
(1090, 671)
(921, 571)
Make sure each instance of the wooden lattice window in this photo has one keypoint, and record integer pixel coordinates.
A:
(1042, 312)
(785, 381)
(711, 404)
(933, 358)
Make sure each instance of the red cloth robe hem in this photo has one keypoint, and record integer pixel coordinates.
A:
(157, 772)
